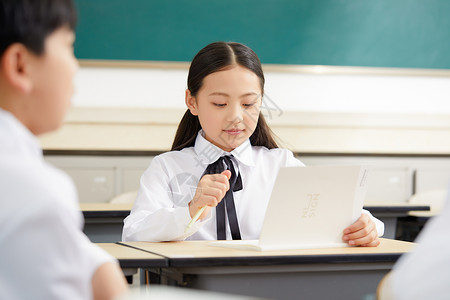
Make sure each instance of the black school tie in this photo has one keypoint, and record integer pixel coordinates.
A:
(217, 167)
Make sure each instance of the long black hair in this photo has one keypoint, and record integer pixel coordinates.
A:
(215, 57)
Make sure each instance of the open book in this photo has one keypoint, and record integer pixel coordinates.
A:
(309, 208)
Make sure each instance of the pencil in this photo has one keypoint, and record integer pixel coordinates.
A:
(195, 218)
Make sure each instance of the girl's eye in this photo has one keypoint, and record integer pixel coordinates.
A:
(219, 104)
(248, 104)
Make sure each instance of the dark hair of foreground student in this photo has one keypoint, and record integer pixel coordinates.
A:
(29, 22)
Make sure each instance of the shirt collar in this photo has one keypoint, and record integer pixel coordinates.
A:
(208, 153)
(16, 138)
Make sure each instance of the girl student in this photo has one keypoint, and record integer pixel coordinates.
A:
(224, 160)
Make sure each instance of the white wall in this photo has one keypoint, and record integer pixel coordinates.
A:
(164, 88)
(120, 87)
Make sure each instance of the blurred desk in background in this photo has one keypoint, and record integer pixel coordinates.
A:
(389, 214)
(103, 222)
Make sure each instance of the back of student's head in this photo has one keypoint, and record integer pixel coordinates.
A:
(216, 57)
(29, 22)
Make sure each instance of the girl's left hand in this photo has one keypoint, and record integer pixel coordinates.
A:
(362, 233)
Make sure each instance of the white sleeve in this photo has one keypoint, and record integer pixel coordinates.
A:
(154, 216)
(48, 252)
(97, 256)
(424, 273)
(379, 224)
(291, 160)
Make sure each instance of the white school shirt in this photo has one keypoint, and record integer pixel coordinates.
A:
(43, 252)
(425, 272)
(161, 213)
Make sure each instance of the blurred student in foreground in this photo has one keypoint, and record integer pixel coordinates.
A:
(44, 254)
(425, 272)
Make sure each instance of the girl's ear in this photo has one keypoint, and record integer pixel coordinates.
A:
(191, 103)
(15, 64)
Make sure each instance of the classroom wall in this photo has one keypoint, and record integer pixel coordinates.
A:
(305, 90)
(406, 34)
(360, 82)
(392, 179)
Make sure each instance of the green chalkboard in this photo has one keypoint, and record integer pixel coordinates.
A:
(378, 33)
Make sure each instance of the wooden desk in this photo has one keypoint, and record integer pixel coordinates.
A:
(130, 259)
(334, 273)
(133, 258)
(103, 222)
(105, 210)
(390, 212)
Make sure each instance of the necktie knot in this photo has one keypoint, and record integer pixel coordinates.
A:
(226, 163)
(217, 167)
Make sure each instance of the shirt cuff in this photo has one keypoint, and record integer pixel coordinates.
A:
(379, 224)
(185, 219)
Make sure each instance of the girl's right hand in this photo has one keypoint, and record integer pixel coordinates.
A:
(210, 191)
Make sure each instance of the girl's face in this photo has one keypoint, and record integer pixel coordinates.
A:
(228, 106)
